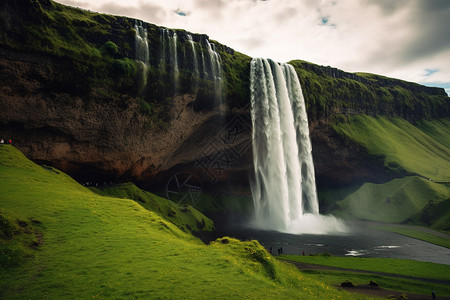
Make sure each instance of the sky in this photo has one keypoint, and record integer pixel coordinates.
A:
(406, 39)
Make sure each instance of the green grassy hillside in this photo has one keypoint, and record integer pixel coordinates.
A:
(395, 201)
(402, 146)
(421, 150)
(65, 241)
(186, 218)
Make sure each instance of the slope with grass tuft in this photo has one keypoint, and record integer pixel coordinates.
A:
(101, 247)
(186, 218)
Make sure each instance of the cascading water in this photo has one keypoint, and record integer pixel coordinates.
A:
(168, 41)
(194, 54)
(205, 65)
(142, 54)
(284, 189)
(215, 71)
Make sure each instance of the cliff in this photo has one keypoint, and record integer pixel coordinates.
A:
(74, 94)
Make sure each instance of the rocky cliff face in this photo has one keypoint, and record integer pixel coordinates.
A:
(68, 102)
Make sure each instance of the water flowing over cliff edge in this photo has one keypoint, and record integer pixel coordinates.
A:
(108, 98)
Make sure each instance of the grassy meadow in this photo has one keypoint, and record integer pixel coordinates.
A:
(60, 240)
(394, 267)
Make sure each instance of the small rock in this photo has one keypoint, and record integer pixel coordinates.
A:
(347, 284)
(373, 283)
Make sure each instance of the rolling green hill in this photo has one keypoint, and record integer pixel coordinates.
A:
(60, 240)
(395, 201)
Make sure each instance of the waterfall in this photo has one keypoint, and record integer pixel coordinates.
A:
(194, 54)
(283, 187)
(215, 71)
(142, 54)
(168, 39)
(205, 66)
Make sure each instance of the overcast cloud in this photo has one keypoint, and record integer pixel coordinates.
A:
(407, 39)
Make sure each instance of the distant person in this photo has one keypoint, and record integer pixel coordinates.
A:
(10, 141)
(2, 141)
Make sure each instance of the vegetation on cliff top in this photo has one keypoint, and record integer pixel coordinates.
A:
(94, 246)
(99, 51)
(330, 91)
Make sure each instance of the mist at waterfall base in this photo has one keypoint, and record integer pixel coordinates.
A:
(283, 186)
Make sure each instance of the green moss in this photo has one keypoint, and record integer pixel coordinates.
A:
(110, 48)
(328, 91)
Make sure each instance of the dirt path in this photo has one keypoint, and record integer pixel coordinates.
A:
(370, 290)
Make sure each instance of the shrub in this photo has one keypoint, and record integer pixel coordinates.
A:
(124, 67)
(110, 48)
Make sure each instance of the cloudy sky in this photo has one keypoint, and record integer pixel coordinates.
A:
(407, 39)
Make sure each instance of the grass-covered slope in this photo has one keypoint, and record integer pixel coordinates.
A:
(403, 146)
(421, 150)
(395, 201)
(186, 218)
(91, 246)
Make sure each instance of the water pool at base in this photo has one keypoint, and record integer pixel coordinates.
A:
(361, 242)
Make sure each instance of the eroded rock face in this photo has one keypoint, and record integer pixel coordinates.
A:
(83, 136)
(98, 139)
(93, 139)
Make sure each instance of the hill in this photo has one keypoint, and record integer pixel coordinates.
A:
(61, 240)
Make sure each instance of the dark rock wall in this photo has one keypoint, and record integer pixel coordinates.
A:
(83, 113)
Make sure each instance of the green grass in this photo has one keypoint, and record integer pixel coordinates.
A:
(186, 218)
(384, 265)
(407, 286)
(401, 145)
(437, 129)
(102, 247)
(395, 201)
(417, 234)
(387, 265)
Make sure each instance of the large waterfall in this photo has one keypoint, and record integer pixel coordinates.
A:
(283, 187)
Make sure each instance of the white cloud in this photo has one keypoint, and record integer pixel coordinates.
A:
(401, 38)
